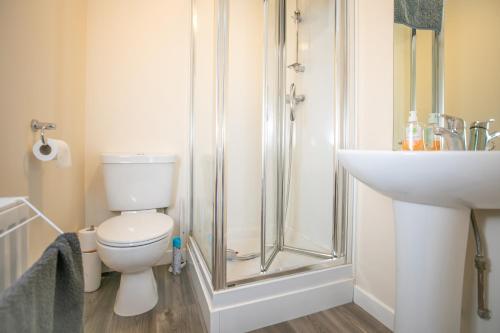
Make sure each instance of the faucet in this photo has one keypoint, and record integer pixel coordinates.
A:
(453, 132)
(480, 137)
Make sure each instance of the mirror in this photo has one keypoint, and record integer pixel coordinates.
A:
(456, 69)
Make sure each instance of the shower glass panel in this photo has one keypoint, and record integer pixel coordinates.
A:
(308, 204)
(279, 135)
(272, 108)
(203, 127)
(266, 122)
(243, 135)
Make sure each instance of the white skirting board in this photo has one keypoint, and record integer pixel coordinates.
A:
(249, 307)
(375, 307)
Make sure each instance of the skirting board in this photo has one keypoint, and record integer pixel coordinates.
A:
(374, 307)
(243, 315)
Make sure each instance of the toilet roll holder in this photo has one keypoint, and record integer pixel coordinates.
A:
(42, 127)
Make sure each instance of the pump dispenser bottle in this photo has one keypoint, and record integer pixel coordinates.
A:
(414, 140)
(432, 141)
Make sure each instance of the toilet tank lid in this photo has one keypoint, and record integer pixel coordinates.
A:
(114, 158)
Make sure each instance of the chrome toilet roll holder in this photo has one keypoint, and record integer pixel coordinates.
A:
(42, 127)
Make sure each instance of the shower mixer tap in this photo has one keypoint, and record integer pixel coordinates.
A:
(293, 99)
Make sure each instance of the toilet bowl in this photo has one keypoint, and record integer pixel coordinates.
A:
(133, 242)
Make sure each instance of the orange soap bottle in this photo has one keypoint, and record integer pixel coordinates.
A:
(414, 138)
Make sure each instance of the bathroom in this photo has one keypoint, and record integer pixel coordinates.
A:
(145, 77)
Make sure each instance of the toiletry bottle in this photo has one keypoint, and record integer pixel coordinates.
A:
(431, 140)
(177, 256)
(414, 140)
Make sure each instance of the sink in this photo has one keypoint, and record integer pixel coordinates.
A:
(433, 194)
(447, 179)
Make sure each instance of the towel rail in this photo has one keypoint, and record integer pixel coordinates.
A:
(10, 209)
(19, 202)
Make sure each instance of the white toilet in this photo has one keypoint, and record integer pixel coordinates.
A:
(133, 242)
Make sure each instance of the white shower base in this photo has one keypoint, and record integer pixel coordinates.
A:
(284, 260)
(270, 301)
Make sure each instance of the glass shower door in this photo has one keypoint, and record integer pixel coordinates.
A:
(273, 105)
(203, 127)
(298, 201)
(264, 131)
(310, 128)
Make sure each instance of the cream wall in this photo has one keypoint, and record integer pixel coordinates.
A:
(42, 75)
(137, 89)
(374, 236)
(472, 69)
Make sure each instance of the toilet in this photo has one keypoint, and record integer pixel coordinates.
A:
(134, 241)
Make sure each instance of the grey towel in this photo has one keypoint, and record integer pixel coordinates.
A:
(419, 14)
(48, 297)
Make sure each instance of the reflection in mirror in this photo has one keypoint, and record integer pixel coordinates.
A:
(451, 68)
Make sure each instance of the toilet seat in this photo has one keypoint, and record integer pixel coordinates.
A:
(136, 229)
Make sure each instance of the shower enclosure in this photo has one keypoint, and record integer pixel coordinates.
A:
(269, 110)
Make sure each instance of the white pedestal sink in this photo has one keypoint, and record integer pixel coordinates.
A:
(433, 194)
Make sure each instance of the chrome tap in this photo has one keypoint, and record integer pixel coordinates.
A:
(452, 129)
(480, 137)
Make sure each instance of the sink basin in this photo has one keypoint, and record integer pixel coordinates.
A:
(447, 179)
(433, 194)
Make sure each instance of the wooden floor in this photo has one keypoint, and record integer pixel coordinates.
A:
(342, 319)
(177, 311)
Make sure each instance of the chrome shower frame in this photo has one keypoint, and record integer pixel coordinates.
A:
(344, 139)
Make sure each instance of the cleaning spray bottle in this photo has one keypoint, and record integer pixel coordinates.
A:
(414, 140)
(177, 263)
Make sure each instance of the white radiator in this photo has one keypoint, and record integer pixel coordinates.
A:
(13, 246)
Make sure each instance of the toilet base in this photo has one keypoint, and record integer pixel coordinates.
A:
(137, 294)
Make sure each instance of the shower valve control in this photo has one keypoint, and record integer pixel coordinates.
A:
(297, 99)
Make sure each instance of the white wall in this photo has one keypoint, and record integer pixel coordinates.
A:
(137, 88)
(375, 256)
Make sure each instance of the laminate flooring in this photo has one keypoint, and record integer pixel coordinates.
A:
(177, 311)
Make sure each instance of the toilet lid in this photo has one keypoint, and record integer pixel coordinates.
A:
(134, 229)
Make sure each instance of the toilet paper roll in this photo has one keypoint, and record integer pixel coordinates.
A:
(88, 239)
(54, 149)
(91, 271)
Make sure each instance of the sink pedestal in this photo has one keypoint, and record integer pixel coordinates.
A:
(431, 240)
(431, 246)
